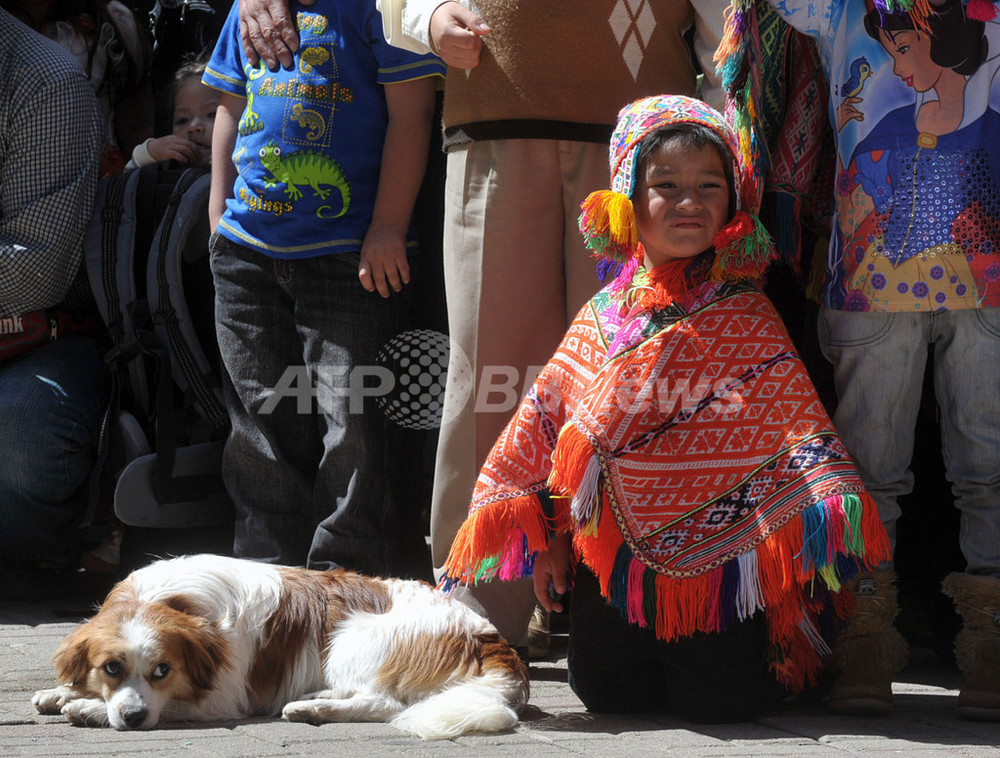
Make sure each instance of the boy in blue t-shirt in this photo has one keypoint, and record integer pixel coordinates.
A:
(315, 173)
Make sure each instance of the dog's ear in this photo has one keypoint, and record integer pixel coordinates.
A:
(72, 658)
(184, 604)
(204, 652)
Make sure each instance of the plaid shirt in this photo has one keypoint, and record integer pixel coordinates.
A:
(51, 136)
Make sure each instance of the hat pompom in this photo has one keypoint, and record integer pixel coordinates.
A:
(743, 248)
(608, 225)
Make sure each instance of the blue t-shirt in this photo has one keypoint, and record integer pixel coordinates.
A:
(309, 143)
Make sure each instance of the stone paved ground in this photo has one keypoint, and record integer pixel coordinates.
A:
(555, 724)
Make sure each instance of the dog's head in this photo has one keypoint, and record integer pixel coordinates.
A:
(141, 658)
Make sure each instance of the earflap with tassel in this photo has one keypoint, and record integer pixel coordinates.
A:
(608, 225)
(743, 249)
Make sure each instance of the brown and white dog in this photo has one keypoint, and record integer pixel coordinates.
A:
(208, 638)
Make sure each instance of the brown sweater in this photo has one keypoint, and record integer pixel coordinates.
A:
(554, 69)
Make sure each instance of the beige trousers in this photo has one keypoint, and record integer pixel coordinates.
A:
(516, 273)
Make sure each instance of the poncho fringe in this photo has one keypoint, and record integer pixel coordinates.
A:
(789, 575)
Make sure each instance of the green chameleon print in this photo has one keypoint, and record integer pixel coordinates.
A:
(305, 167)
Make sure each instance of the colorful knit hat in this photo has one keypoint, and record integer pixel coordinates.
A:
(608, 223)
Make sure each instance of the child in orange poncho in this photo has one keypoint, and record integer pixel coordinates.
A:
(675, 450)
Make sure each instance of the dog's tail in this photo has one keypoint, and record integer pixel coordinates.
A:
(486, 702)
(476, 705)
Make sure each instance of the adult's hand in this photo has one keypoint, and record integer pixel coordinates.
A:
(456, 34)
(268, 31)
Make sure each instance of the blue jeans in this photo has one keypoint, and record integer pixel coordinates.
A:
(879, 361)
(53, 400)
(313, 479)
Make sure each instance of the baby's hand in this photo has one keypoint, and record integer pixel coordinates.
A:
(383, 260)
(163, 149)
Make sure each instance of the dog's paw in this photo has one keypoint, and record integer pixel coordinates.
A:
(307, 711)
(51, 702)
(86, 712)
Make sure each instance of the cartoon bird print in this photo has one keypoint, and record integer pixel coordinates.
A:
(860, 71)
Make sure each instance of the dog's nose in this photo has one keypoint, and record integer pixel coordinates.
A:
(134, 717)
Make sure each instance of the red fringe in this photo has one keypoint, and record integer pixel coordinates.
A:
(877, 548)
(668, 282)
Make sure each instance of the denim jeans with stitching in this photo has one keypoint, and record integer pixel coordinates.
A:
(879, 361)
(53, 399)
(310, 463)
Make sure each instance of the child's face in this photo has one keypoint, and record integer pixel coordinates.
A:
(194, 116)
(681, 201)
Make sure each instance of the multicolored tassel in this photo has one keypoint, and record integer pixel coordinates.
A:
(743, 249)
(738, 65)
(608, 225)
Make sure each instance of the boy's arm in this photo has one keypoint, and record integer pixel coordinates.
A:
(404, 157)
(227, 117)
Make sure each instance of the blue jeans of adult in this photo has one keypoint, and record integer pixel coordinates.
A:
(309, 462)
(879, 361)
(52, 402)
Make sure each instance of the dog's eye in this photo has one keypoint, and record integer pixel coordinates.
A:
(113, 668)
(160, 671)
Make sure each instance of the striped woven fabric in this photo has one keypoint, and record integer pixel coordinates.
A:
(687, 451)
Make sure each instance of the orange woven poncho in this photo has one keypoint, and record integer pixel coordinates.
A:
(687, 451)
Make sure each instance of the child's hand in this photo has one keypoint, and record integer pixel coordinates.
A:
(455, 33)
(383, 260)
(163, 149)
(553, 567)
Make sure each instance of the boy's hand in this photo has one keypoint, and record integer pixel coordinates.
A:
(553, 567)
(383, 260)
(267, 30)
(455, 35)
(171, 147)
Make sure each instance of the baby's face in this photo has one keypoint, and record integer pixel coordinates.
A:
(194, 116)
